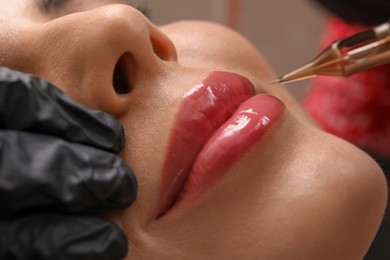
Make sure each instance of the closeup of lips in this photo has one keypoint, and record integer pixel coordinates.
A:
(213, 116)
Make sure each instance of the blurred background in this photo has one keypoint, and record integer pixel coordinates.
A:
(286, 32)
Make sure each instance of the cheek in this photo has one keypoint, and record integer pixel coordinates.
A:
(12, 53)
(20, 22)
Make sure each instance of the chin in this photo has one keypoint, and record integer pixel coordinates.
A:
(291, 206)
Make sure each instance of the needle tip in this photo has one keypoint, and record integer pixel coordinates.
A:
(275, 82)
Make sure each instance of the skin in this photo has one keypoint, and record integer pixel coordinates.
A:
(302, 194)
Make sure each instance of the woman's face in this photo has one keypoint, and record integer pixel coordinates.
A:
(226, 169)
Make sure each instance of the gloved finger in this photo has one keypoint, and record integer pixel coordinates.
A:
(43, 171)
(28, 103)
(53, 236)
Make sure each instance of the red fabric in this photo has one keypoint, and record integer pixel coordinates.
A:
(356, 108)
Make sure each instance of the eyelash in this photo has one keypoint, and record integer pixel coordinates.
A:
(52, 4)
(145, 10)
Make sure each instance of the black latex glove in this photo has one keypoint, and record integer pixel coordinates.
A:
(58, 168)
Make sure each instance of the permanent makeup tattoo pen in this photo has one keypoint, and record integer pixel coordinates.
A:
(347, 56)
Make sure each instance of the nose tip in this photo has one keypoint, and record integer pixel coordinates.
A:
(133, 28)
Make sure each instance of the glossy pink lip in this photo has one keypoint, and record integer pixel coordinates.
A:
(218, 120)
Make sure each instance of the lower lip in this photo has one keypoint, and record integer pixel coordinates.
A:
(230, 143)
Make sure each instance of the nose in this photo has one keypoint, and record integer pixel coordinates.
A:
(100, 56)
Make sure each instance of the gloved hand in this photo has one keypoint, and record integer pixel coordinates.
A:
(58, 169)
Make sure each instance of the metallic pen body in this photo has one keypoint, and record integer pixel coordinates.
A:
(347, 56)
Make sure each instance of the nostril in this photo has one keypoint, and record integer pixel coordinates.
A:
(163, 48)
(158, 48)
(121, 79)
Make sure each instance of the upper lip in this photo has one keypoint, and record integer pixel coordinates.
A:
(203, 109)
